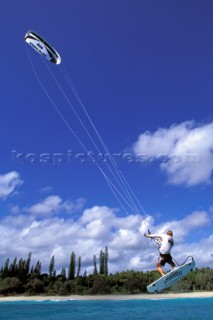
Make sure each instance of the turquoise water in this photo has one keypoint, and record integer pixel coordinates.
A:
(174, 309)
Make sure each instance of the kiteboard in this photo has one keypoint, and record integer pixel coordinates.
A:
(171, 277)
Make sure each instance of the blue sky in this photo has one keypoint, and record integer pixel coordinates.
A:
(144, 71)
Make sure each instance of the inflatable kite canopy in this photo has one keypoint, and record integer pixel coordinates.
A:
(42, 47)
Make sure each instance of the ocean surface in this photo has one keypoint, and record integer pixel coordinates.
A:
(174, 309)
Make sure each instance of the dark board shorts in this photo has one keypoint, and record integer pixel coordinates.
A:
(165, 258)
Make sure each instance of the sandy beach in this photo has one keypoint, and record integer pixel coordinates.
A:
(112, 297)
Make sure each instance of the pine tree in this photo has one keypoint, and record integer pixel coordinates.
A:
(27, 270)
(52, 266)
(72, 266)
(20, 265)
(79, 266)
(6, 268)
(63, 273)
(95, 271)
(37, 269)
(106, 255)
(21, 269)
(101, 261)
(32, 270)
(13, 268)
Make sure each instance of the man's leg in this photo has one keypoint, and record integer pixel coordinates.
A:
(173, 265)
(159, 268)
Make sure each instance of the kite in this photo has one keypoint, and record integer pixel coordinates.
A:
(42, 46)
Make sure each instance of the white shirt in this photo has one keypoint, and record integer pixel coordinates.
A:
(165, 242)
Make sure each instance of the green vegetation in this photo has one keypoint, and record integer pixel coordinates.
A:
(19, 277)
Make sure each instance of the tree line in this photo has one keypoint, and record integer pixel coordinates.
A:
(19, 277)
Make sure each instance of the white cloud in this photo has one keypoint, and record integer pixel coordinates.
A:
(47, 189)
(184, 151)
(8, 184)
(44, 234)
(52, 205)
(48, 206)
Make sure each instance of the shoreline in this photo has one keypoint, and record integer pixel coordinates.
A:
(144, 296)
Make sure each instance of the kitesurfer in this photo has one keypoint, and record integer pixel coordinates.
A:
(165, 243)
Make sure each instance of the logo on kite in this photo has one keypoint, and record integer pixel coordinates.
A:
(42, 46)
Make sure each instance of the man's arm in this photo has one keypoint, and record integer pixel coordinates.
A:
(147, 235)
(153, 236)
